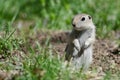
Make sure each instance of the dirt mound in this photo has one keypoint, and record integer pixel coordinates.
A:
(104, 55)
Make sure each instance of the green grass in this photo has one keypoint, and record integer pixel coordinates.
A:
(41, 63)
(55, 14)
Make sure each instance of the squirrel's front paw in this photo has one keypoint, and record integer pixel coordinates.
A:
(87, 44)
(76, 44)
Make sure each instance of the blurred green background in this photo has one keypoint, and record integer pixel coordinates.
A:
(57, 14)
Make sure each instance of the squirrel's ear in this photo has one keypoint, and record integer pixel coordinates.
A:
(89, 17)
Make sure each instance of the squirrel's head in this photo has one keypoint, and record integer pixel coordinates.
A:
(82, 22)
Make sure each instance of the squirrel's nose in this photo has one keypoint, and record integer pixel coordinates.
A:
(73, 25)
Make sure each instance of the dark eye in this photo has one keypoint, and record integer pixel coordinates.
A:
(83, 19)
(89, 17)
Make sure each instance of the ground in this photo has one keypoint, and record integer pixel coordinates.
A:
(106, 55)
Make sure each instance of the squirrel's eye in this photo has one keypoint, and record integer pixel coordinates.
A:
(83, 19)
(89, 17)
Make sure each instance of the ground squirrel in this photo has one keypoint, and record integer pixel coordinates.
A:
(80, 41)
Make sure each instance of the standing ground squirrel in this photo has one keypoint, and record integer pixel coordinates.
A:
(80, 41)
